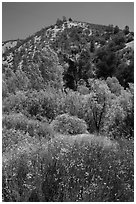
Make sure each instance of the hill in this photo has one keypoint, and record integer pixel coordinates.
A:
(68, 115)
(70, 41)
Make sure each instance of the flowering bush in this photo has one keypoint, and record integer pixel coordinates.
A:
(60, 171)
(20, 122)
(11, 137)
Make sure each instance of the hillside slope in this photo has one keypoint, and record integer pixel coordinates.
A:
(68, 42)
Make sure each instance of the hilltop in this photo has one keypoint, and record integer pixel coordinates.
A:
(68, 41)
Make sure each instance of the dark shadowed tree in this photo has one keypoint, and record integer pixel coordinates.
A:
(116, 29)
(126, 30)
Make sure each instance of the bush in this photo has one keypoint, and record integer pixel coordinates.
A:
(83, 90)
(59, 22)
(46, 103)
(88, 139)
(17, 121)
(60, 172)
(73, 104)
(119, 119)
(4, 89)
(15, 102)
(20, 122)
(114, 85)
(20, 164)
(11, 137)
(66, 124)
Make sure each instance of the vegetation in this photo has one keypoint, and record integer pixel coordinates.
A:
(66, 124)
(68, 115)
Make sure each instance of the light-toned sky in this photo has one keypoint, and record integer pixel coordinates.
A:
(21, 19)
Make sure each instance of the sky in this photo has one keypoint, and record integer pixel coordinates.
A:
(21, 19)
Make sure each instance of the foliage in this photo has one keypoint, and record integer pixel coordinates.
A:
(125, 72)
(116, 29)
(126, 30)
(82, 89)
(62, 172)
(15, 102)
(120, 117)
(105, 63)
(73, 104)
(33, 127)
(78, 69)
(114, 85)
(33, 70)
(109, 29)
(59, 22)
(66, 124)
(119, 41)
(96, 104)
(11, 138)
(4, 90)
(46, 103)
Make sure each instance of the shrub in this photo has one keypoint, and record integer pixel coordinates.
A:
(40, 129)
(15, 102)
(67, 124)
(33, 127)
(96, 104)
(119, 119)
(11, 137)
(73, 104)
(46, 103)
(114, 85)
(83, 89)
(59, 22)
(17, 121)
(20, 165)
(4, 89)
(60, 172)
(88, 139)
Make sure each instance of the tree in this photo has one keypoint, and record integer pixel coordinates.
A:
(105, 61)
(64, 19)
(109, 29)
(96, 104)
(125, 73)
(79, 67)
(114, 85)
(119, 40)
(70, 19)
(119, 119)
(22, 80)
(92, 46)
(116, 29)
(71, 74)
(102, 41)
(126, 30)
(59, 22)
